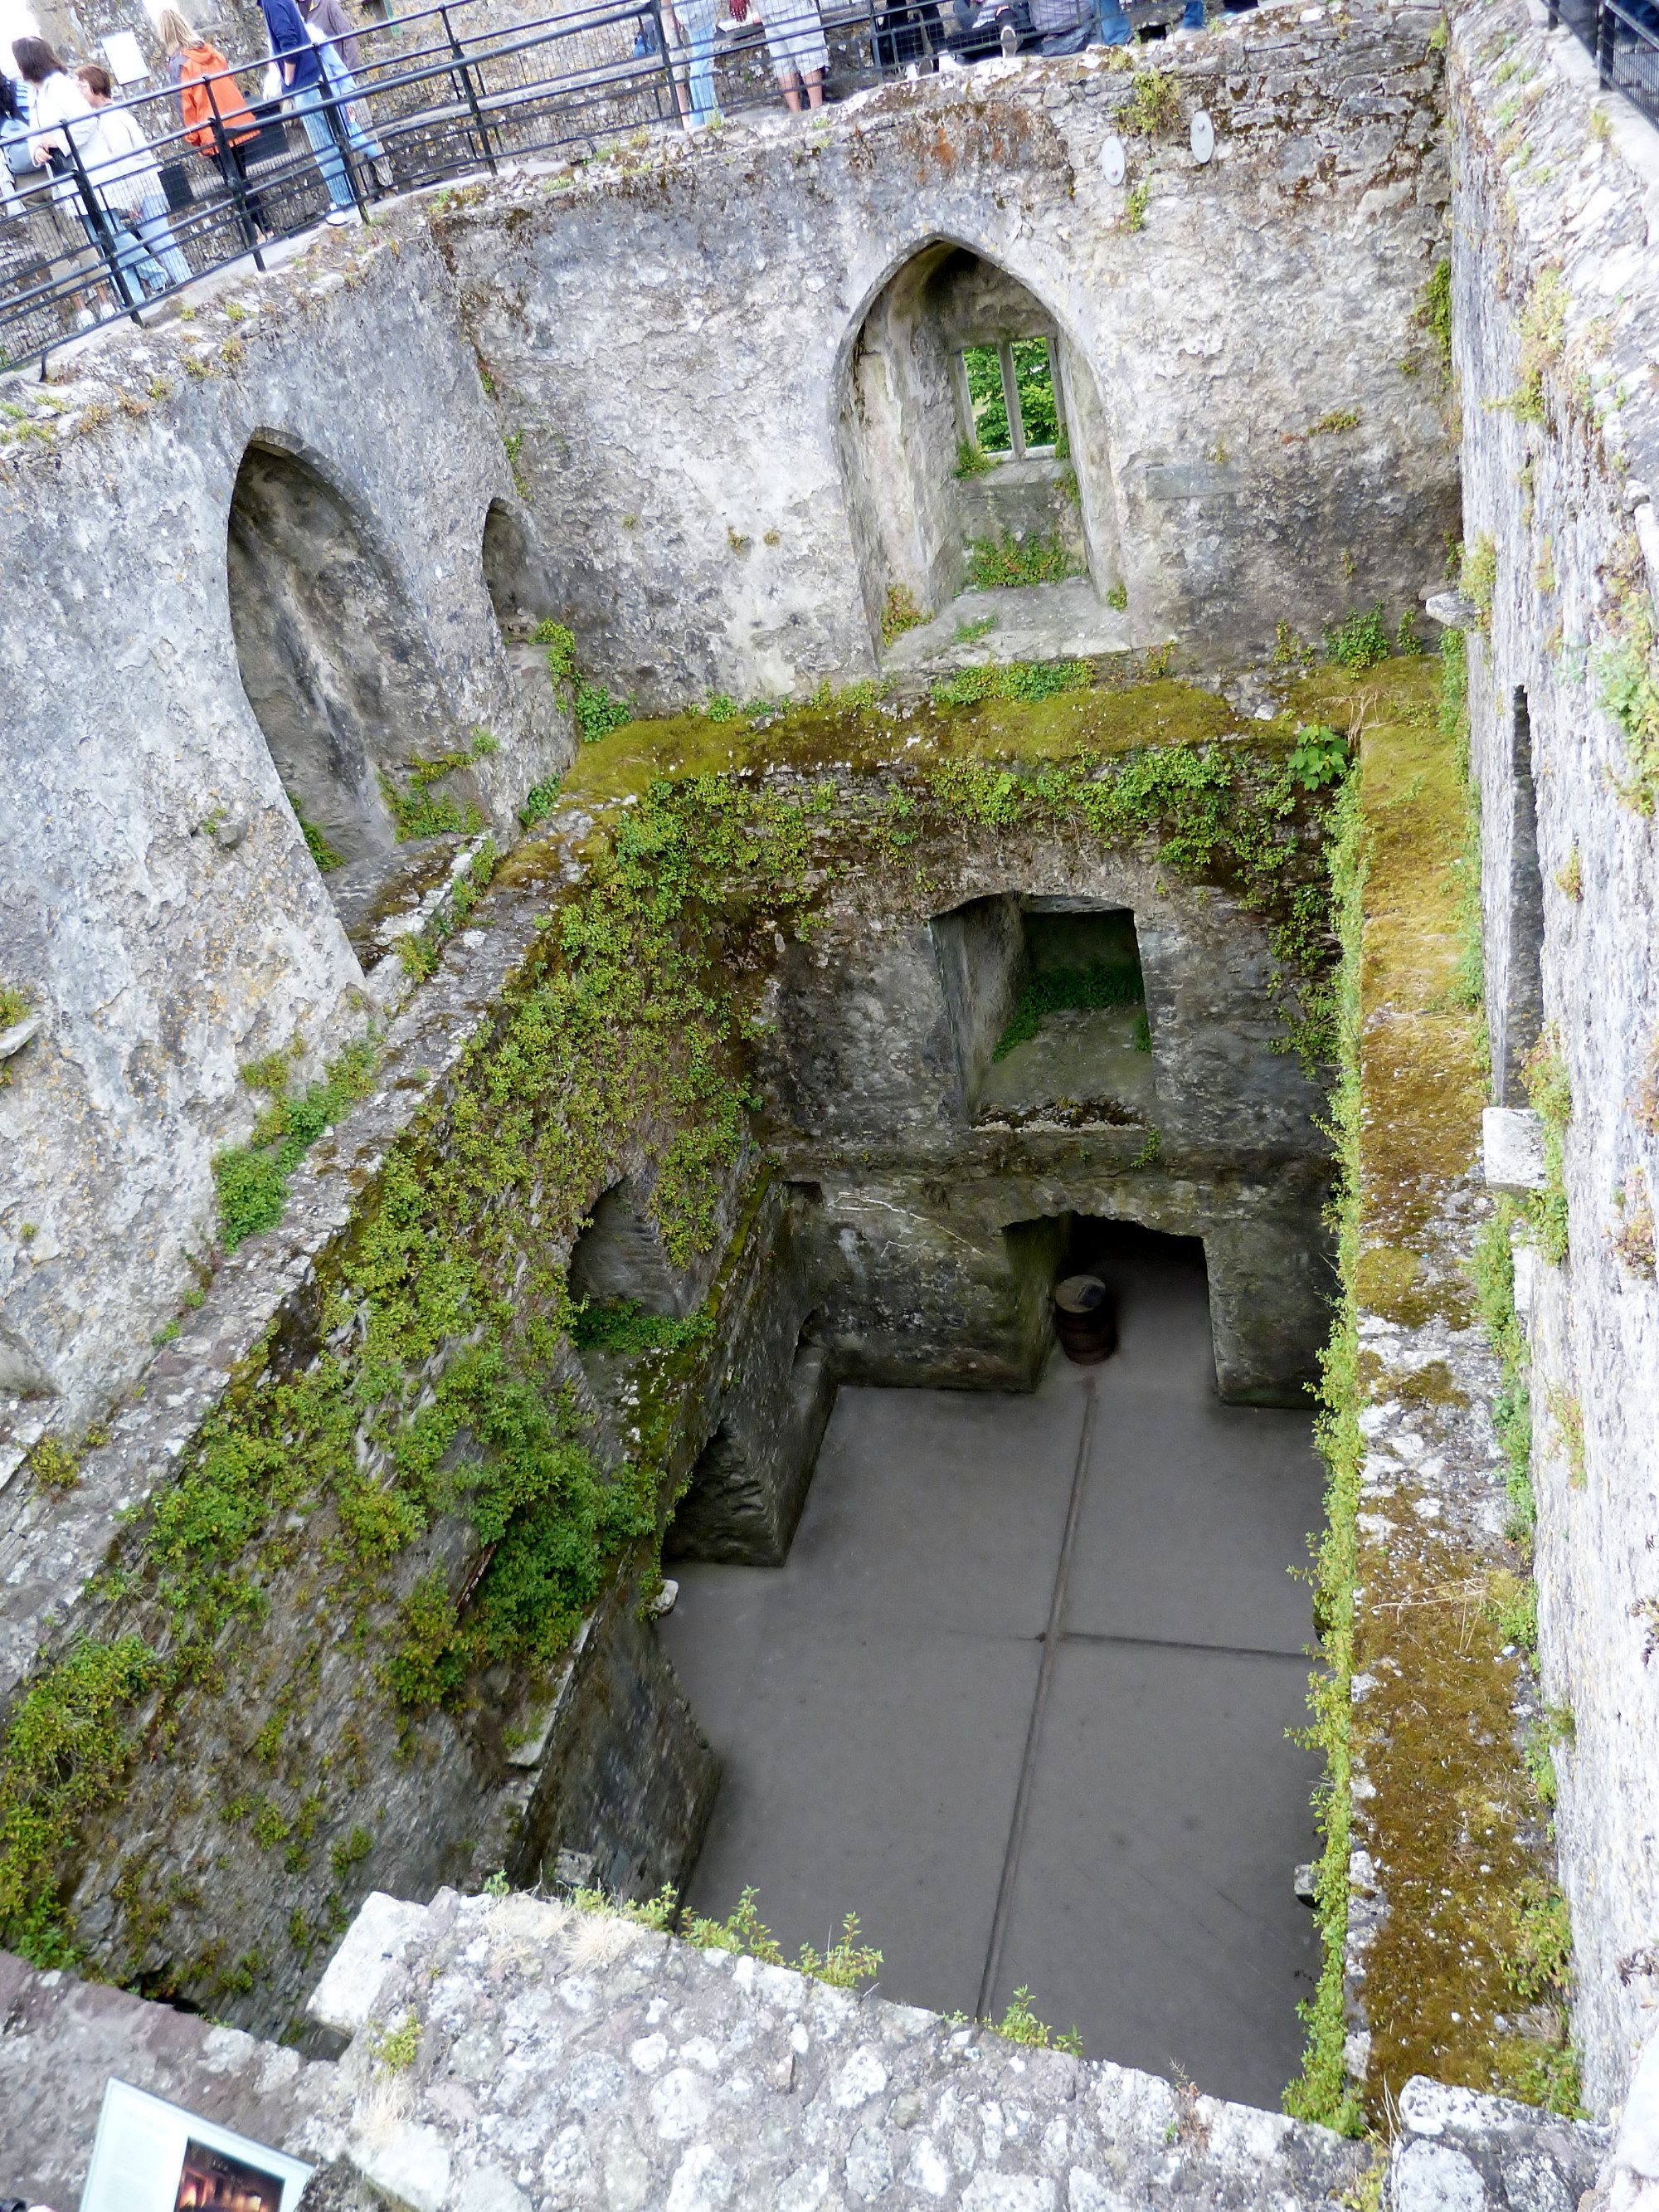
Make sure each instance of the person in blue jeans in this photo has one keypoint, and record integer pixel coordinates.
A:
(1115, 24)
(696, 21)
(301, 68)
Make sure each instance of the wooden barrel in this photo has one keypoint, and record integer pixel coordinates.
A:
(1085, 1319)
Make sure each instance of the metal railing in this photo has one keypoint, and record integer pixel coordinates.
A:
(434, 96)
(1624, 37)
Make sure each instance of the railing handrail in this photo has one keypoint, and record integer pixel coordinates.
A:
(577, 99)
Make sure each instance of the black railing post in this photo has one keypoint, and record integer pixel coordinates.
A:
(666, 60)
(460, 53)
(230, 169)
(1604, 35)
(129, 298)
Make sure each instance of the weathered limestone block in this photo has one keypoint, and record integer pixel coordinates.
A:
(1455, 2148)
(1512, 1144)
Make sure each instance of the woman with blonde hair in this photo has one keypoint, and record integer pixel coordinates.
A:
(203, 87)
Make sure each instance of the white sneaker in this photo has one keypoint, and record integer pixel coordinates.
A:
(951, 62)
(1010, 42)
(340, 216)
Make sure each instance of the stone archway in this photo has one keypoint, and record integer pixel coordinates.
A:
(935, 467)
(333, 658)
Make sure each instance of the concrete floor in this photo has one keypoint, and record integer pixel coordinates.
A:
(1115, 1831)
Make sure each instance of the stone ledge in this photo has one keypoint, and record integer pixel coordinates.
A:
(1512, 1148)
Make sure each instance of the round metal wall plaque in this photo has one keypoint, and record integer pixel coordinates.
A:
(1203, 136)
(1114, 162)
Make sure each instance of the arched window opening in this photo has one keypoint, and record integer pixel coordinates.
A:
(975, 448)
(511, 573)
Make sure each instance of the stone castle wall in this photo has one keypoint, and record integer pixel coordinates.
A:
(665, 343)
(674, 355)
(1555, 321)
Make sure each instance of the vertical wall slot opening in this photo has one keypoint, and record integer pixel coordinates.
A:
(1521, 1012)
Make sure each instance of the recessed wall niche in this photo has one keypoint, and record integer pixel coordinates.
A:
(1047, 1010)
(970, 417)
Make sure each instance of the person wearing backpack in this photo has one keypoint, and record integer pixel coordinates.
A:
(200, 77)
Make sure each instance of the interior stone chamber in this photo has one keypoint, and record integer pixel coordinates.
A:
(704, 414)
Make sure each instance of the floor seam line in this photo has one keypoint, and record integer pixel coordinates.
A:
(1051, 1643)
(1179, 1643)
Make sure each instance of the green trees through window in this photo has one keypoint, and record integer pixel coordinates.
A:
(1034, 381)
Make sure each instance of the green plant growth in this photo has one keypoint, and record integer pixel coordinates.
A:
(970, 633)
(899, 613)
(1134, 204)
(1034, 383)
(1019, 560)
(596, 711)
(1433, 312)
(1153, 109)
(972, 459)
(1627, 688)
(1020, 2024)
(316, 843)
(54, 1464)
(621, 1327)
(251, 1179)
(70, 1742)
(396, 2049)
(1543, 327)
(1319, 756)
(1322, 2091)
(1339, 419)
(1359, 640)
(1478, 577)
(14, 1005)
(422, 812)
(1027, 681)
(1052, 988)
(1550, 1089)
(844, 1962)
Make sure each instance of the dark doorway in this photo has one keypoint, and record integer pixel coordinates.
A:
(1019, 1695)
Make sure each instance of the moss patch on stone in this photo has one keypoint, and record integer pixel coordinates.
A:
(860, 732)
(1454, 1827)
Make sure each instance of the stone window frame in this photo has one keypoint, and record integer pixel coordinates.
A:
(1004, 346)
